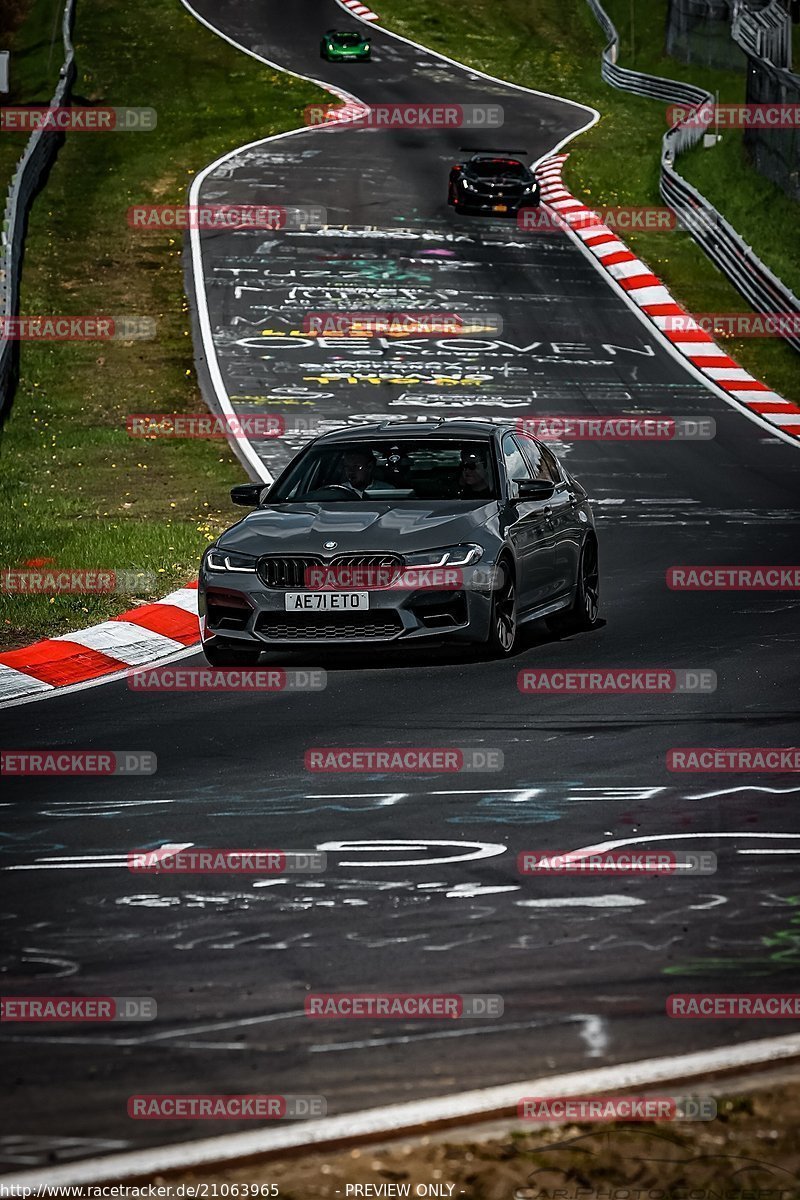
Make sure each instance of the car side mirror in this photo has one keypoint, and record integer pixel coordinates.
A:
(247, 494)
(534, 489)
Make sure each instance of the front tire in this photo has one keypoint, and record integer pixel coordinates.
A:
(223, 654)
(503, 636)
(583, 613)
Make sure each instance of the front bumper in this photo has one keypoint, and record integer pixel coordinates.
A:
(344, 56)
(244, 611)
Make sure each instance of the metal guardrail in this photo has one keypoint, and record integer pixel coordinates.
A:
(720, 241)
(36, 159)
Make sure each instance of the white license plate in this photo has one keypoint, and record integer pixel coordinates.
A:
(326, 601)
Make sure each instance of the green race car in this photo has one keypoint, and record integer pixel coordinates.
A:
(344, 45)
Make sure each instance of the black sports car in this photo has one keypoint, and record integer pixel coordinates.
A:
(398, 532)
(492, 184)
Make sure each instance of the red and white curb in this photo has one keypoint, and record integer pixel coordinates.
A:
(141, 636)
(359, 10)
(651, 297)
(346, 113)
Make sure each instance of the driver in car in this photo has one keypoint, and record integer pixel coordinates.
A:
(473, 480)
(359, 470)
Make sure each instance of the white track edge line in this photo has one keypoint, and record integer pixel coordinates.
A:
(738, 405)
(241, 446)
(410, 1118)
(375, 1120)
(519, 87)
(247, 453)
(775, 430)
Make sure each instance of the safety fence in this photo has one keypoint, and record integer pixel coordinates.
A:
(720, 241)
(699, 31)
(36, 160)
(766, 38)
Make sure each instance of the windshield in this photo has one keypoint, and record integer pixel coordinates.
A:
(394, 469)
(348, 39)
(499, 166)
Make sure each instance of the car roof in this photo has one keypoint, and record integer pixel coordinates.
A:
(474, 428)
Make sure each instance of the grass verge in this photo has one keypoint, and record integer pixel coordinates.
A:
(749, 1151)
(556, 48)
(74, 487)
(758, 210)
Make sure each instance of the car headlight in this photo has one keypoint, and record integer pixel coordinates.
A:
(448, 556)
(224, 560)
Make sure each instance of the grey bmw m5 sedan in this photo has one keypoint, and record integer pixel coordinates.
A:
(402, 532)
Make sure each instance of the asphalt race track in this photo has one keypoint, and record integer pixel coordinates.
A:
(422, 891)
